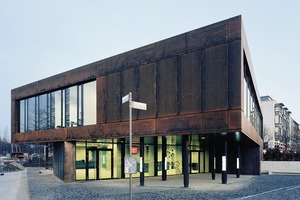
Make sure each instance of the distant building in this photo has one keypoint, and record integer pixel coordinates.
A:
(279, 126)
(203, 109)
(295, 134)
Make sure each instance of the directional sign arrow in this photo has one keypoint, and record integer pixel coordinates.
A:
(125, 99)
(138, 105)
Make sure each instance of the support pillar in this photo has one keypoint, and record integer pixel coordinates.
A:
(185, 160)
(224, 164)
(238, 172)
(122, 156)
(213, 172)
(155, 157)
(47, 156)
(142, 175)
(164, 158)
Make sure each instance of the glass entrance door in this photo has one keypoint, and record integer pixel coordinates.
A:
(99, 164)
(194, 162)
(197, 162)
(92, 164)
(105, 168)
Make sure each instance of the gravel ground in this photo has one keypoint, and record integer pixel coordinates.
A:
(47, 187)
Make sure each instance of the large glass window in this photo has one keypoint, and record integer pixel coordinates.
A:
(56, 108)
(31, 114)
(251, 106)
(22, 116)
(89, 103)
(69, 107)
(43, 112)
(73, 106)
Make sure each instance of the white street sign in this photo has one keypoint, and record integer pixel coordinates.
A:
(125, 98)
(138, 105)
(130, 165)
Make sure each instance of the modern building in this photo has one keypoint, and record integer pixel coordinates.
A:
(277, 123)
(203, 110)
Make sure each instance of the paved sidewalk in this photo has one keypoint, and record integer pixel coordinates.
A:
(196, 182)
(13, 185)
(43, 184)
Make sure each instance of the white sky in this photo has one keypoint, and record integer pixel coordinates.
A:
(40, 38)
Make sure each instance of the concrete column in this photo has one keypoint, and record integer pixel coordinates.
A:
(69, 160)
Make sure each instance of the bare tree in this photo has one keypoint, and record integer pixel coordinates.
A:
(5, 135)
(285, 138)
(267, 136)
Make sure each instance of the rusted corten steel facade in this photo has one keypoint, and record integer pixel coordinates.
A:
(191, 83)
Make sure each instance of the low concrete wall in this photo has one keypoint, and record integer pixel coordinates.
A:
(271, 167)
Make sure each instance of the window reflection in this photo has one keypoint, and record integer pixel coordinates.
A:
(22, 116)
(56, 109)
(89, 103)
(251, 109)
(73, 106)
(31, 114)
(42, 114)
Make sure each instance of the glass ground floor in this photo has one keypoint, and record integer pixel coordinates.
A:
(104, 158)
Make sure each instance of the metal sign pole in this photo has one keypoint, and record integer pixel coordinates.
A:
(135, 105)
(130, 142)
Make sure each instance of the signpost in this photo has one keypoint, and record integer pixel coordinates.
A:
(130, 163)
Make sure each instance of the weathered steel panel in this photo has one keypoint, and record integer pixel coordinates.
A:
(189, 86)
(170, 47)
(171, 125)
(29, 137)
(83, 74)
(234, 28)
(113, 130)
(111, 65)
(212, 35)
(140, 56)
(167, 87)
(113, 97)
(82, 132)
(24, 91)
(214, 78)
(235, 119)
(217, 121)
(129, 83)
(101, 99)
(47, 135)
(15, 121)
(143, 127)
(147, 90)
(53, 83)
(235, 75)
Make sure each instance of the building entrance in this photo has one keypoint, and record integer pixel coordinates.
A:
(197, 161)
(99, 164)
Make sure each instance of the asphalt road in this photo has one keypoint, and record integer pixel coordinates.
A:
(46, 186)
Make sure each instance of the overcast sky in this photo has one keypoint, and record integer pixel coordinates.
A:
(40, 38)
